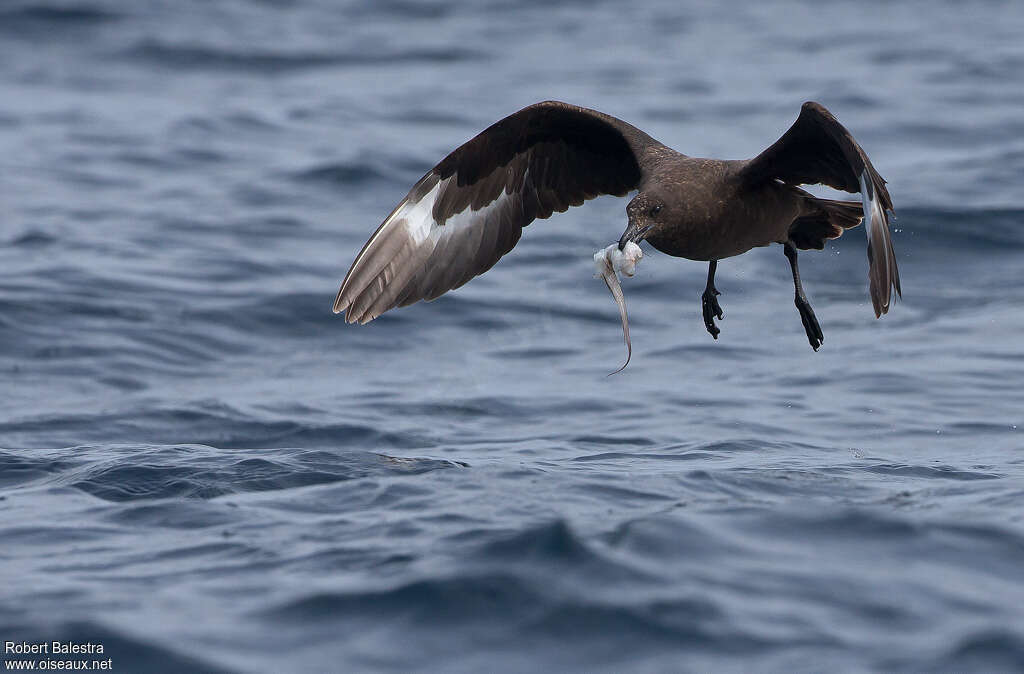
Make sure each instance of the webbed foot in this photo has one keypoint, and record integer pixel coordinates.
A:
(711, 309)
(810, 321)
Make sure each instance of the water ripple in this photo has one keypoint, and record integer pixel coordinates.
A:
(156, 53)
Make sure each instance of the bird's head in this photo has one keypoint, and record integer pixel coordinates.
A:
(647, 213)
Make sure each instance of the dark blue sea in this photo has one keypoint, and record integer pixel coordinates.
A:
(204, 469)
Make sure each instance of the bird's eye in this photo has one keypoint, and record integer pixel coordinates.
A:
(656, 210)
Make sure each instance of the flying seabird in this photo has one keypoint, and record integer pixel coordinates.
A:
(470, 209)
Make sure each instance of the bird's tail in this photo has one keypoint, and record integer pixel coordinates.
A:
(823, 219)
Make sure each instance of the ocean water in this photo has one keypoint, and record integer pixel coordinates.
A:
(204, 469)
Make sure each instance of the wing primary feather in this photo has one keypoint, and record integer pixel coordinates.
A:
(361, 304)
(883, 274)
(374, 259)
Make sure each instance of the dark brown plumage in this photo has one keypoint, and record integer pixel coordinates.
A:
(469, 210)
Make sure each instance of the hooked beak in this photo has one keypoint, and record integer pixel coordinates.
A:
(634, 233)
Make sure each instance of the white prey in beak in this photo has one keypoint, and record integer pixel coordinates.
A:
(608, 263)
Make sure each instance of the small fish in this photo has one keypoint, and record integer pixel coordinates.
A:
(609, 261)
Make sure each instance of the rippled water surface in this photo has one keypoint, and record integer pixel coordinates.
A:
(204, 469)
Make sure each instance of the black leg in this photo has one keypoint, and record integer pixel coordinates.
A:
(810, 321)
(709, 302)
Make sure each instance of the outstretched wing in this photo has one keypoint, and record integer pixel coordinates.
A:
(469, 210)
(818, 149)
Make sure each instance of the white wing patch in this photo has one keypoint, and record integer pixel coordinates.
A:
(872, 209)
(418, 215)
(411, 253)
